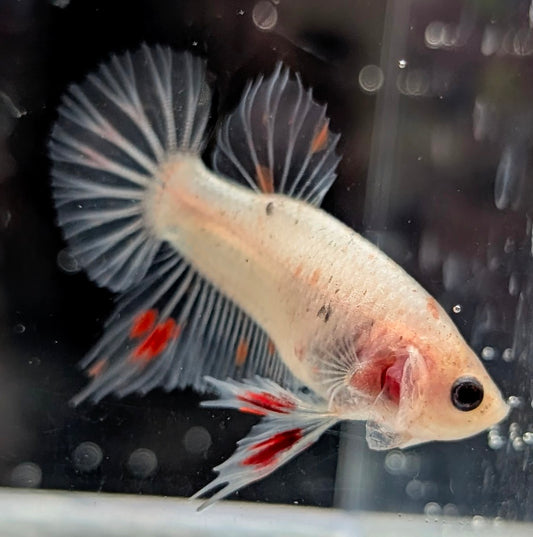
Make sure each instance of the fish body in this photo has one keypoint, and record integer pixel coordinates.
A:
(237, 273)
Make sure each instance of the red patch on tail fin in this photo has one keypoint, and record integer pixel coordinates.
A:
(267, 450)
(143, 323)
(157, 341)
(266, 401)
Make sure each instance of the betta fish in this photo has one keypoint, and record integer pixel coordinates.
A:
(232, 279)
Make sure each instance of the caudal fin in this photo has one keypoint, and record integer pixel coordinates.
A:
(113, 132)
(290, 424)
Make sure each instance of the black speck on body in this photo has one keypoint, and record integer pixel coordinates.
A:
(324, 312)
(269, 209)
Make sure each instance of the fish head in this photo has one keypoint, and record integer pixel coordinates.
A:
(436, 396)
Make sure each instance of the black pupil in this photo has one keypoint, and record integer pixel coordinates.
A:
(467, 393)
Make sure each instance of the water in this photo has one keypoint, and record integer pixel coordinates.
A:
(433, 102)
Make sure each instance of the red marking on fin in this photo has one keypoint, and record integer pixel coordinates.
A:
(268, 450)
(265, 179)
(254, 411)
(267, 401)
(156, 342)
(96, 368)
(320, 140)
(143, 323)
(242, 352)
(271, 347)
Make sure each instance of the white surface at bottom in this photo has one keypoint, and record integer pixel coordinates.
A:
(30, 513)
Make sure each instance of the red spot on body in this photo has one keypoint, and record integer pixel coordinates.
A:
(298, 270)
(313, 280)
(267, 401)
(153, 345)
(271, 347)
(268, 450)
(433, 308)
(143, 323)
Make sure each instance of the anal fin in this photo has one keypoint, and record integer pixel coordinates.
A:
(290, 424)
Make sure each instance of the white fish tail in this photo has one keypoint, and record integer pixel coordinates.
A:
(290, 424)
(114, 131)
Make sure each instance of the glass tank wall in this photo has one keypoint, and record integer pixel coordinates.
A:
(433, 102)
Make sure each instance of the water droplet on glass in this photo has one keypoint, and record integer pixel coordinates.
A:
(478, 521)
(457, 308)
(197, 440)
(518, 444)
(507, 355)
(527, 437)
(87, 457)
(371, 78)
(27, 475)
(514, 401)
(434, 34)
(450, 509)
(67, 262)
(488, 353)
(19, 328)
(432, 509)
(415, 489)
(142, 463)
(395, 462)
(402, 64)
(265, 15)
(496, 442)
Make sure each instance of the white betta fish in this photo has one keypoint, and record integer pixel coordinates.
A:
(237, 274)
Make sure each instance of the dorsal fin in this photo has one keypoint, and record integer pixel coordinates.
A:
(278, 140)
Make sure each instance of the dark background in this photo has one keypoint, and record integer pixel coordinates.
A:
(436, 169)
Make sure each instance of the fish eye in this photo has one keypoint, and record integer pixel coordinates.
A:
(467, 393)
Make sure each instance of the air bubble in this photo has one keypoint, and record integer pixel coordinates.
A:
(395, 462)
(518, 444)
(87, 457)
(457, 308)
(415, 489)
(450, 509)
(488, 353)
(19, 328)
(26, 475)
(514, 401)
(527, 437)
(371, 78)
(67, 262)
(402, 64)
(478, 521)
(507, 355)
(265, 15)
(197, 440)
(496, 442)
(142, 463)
(432, 509)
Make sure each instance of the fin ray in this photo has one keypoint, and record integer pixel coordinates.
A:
(290, 424)
(114, 131)
(278, 140)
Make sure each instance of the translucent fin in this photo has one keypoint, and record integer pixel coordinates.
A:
(290, 424)
(278, 140)
(113, 131)
(170, 330)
